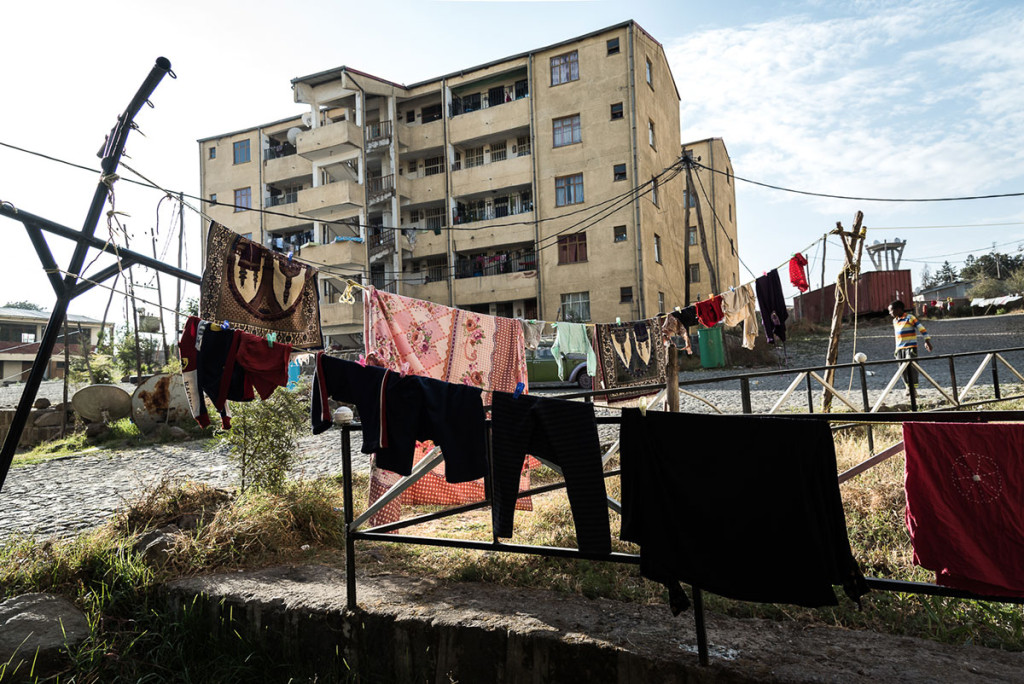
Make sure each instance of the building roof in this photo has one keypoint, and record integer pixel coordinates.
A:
(30, 314)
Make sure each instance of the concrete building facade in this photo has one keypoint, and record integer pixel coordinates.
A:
(544, 185)
(20, 332)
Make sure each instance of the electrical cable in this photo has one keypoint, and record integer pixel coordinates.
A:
(862, 199)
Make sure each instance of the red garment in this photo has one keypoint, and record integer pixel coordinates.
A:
(965, 504)
(709, 312)
(796, 272)
(265, 367)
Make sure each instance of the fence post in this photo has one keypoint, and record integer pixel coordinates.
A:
(672, 379)
(867, 405)
(952, 380)
(995, 379)
(745, 394)
(810, 395)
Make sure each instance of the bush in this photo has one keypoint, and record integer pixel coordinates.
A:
(264, 435)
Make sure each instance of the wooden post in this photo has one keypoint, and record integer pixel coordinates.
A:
(686, 242)
(672, 379)
(67, 367)
(851, 270)
(824, 249)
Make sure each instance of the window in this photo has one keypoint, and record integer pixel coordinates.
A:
(241, 149)
(522, 89)
(434, 219)
(499, 151)
(495, 96)
(616, 111)
(243, 199)
(474, 157)
(213, 153)
(566, 130)
(433, 166)
(213, 198)
(619, 233)
(522, 146)
(568, 190)
(576, 307)
(661, 302)
(565, 68)
(572, 249)
(410, 116)
(657, 248)
(690, 198)
(650, 132)
(412, 168)
(625, 295)
(471, 102)
(692, 235)
(654, 191)
(430, 113)
(619, 172)
(650, 79)
(613, 46)
(694, 273)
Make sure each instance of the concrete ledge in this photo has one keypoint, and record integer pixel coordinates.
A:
(416, 629)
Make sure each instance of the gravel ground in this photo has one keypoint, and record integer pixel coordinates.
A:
(66, 495)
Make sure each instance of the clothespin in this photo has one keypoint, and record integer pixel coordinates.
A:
(519, 390)
(642, 405)
(678, 309)
(403, 369)
(271, 339)
(290, 255)
(225, 325)
(618, 321)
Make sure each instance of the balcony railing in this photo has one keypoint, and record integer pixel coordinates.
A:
(378, 131)
(278, 151)
(486, 213)
(380, 184)
(290, 197)
(496, 264)
(476, 101)
(380, 241)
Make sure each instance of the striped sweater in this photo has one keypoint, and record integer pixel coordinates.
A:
(906, 328)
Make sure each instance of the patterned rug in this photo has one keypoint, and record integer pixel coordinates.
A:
(259, 291)
(629, 355)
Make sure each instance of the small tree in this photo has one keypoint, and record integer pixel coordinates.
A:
(946, 274)
(264, 436)
(987, 288)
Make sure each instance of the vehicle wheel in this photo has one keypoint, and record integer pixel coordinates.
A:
(584, 381)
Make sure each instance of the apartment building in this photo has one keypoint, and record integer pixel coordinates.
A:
(712, 202)
(534, 186)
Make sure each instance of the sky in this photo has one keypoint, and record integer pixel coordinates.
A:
(860, 98)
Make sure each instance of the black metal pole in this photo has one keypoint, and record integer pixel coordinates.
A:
(952, 380)
(745, 395)
(867, 405)
(995, 378)
(112, 151)
(350, 542)
(701, 628)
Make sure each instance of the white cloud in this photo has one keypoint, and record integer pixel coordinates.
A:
(914, 101)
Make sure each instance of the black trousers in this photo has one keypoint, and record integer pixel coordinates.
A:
(564, 433)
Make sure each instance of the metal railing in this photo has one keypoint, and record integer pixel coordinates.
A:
(380, 241)
(486, 213)
(496, 265)
(290, 197)
(378, 131)
(378, 184)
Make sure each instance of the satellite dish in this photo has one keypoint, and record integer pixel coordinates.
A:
(160, 399)
(293, 135)
(307, 119)
(102, 403)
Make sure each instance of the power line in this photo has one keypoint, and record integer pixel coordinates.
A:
(861, 199)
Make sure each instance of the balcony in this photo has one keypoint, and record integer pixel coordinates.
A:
(496, 232)
(497, 174)
(422, 136)
(436, 291)
(333, 140)
(380, 188)
(380, 240)
(490, 120)
(332, 201)
(426, 243)
(345, 253)
(284, 218)
(341, 315)
(378, 135)
(495, 288)
(422, 190)
(286, 168)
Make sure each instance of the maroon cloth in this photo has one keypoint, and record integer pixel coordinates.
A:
(709, 312)
(965, 504)
(796, 272)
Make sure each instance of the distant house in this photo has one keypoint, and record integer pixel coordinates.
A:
(20, 333)
(956, 290)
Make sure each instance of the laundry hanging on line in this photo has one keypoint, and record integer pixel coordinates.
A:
(629, 354)
(259, 291)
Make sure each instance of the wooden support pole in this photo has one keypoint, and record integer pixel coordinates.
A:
(672, 379)
(852, 242)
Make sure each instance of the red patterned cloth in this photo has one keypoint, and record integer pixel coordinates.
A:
(436, 341)
(965, 504)
(709, 312)
(796, 272)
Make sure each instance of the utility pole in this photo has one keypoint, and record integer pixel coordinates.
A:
(853, 245)
(181, 240)
(712, 276)
(686, 242)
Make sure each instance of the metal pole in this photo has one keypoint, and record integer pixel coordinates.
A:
(995, 379)
(67, 367)
(160, 303)
(181, 241)
(702, 632)
(745, 394)
(867, 405)
(952, 379)
(111, 158)
(350, 543)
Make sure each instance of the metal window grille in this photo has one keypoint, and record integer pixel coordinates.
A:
(433, 165)
(499, 151)
(523, 145)
(474, 157)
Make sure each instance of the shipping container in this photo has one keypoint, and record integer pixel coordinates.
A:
(871, 294)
